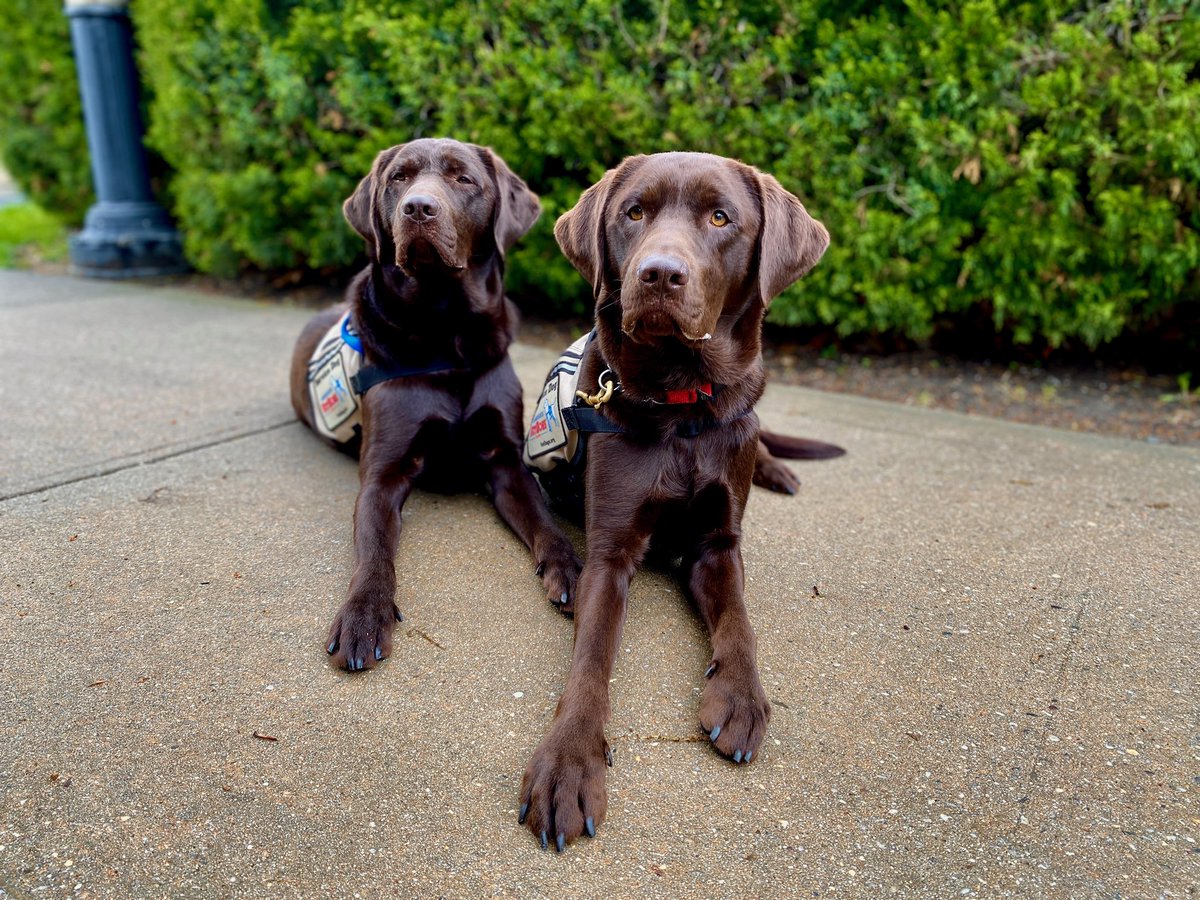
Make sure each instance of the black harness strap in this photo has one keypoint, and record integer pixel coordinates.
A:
(564, 480)
(593, 421)
(369, 376)
(692, 429)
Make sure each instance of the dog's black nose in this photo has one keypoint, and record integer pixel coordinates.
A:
(419, 208)
(666, 271)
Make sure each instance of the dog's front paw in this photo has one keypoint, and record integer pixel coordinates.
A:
(563, 793)
(361, 634)
(559, 569)
(734, 710)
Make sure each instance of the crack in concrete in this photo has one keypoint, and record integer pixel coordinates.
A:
(419, 633)
(133, 464)
(1060, 683)
(674, 739)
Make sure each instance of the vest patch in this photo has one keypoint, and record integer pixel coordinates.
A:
(337, 410)
(549, 442)
(547, 432)
(554, 453)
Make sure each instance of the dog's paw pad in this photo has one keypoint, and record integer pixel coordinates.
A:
(563, 791)
(559, 572)
(734, 712)
(361, 636)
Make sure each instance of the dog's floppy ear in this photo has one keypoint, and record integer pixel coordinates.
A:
(580, 230)
(359, 208)
(791, 241)
(517, 207)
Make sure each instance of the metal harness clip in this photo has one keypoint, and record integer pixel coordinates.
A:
(595, 401)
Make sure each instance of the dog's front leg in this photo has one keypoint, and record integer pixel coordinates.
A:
(563, 792)
(520, 505)
(734, 710)
(361, 633)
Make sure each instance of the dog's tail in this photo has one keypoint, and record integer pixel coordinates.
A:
(788, 447)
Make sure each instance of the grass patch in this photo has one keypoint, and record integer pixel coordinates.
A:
(29, 235)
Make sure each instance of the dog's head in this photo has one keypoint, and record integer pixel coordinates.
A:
(436, 204)
(680, 239)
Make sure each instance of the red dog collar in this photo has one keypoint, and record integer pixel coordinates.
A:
(689, 395)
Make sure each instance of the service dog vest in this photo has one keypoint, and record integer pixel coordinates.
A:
(556, 443)
(549, 442)
(338, 376)
(555, 447)
(337, 409)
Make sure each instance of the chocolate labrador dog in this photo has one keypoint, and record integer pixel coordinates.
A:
(434, 401)
(684, 251)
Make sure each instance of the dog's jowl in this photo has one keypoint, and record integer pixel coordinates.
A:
(412, 371)
(648, 429)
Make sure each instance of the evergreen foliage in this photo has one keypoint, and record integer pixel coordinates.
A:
(1032, 164)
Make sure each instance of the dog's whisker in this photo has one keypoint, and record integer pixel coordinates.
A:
(611, 299)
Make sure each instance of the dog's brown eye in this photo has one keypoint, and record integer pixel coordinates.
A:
(463, 179)
(635, 212)
(719, 218)
(399, 176)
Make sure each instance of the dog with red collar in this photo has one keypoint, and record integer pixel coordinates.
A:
(648, 427)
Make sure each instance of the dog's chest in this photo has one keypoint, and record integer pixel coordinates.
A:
(675, 470)
(455, 453)
(438, 428)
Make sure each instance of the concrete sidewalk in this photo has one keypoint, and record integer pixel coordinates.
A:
(995, 692)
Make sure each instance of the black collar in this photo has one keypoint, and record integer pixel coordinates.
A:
(590, 418)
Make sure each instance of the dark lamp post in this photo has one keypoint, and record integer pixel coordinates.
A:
(126, 234)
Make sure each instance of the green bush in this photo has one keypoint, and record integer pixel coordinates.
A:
(1032, 164)
(41, 126)
(1037, 162)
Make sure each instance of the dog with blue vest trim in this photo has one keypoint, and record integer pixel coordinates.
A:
(411, 373)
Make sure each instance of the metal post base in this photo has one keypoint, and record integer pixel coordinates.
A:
(127, 240)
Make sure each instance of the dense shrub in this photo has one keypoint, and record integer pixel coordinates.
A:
(1033, 165)
(41, 126)
(1038, 163)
